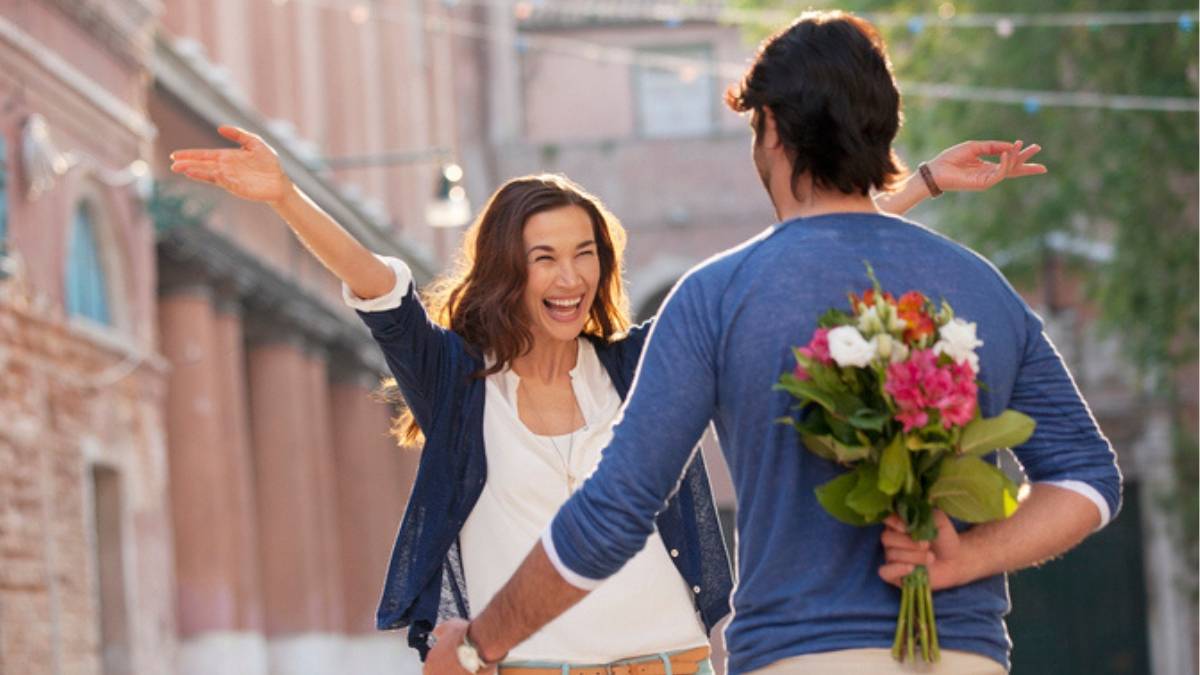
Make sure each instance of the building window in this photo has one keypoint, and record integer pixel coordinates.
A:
(87, 285)
(110, 572)
(674, 88)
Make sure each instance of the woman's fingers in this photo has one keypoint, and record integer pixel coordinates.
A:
(1029, 152)
(1023, 167)
(192, 154)
(180, 165)
(237, 135)
(988, 148)
(1028, 170)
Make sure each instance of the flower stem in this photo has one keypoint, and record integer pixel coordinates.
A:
(912, 615)
(901, 633)
(922, 613)
(916, 628)
(934, 649)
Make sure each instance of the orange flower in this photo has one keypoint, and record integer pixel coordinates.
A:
(911, 308)
(868, 299)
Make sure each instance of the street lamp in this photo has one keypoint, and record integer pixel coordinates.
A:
(450, 207)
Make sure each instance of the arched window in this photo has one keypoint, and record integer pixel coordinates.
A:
(87, 284)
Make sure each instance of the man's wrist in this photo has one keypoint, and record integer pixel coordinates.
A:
(969, 564)
(485, 654)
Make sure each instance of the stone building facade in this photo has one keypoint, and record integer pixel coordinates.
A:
(194, 474)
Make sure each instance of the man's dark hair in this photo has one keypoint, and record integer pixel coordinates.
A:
(828, 82)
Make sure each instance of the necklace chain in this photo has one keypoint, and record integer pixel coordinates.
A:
(565, 460)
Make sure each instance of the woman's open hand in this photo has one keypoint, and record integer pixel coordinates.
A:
(962, 166)
(250, 171)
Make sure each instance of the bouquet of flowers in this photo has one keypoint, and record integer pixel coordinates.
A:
(889, 391)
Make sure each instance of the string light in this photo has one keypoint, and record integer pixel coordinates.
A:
(1031, 100)
(946, 15)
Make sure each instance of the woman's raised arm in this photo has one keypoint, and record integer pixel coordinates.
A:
(252, 172)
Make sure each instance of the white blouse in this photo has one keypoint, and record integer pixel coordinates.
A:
(643, 609)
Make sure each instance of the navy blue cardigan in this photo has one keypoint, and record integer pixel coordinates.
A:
(434, 370)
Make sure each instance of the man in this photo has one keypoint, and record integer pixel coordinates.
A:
(813, 594)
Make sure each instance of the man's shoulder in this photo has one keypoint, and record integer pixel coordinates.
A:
(720, 268)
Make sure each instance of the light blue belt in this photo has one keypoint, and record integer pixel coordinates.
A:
(632, 666)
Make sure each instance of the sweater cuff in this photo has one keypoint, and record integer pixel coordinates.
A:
(387, 301)
(1082, 488)
(577, 580)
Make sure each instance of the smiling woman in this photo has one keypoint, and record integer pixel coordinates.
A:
(515, 374)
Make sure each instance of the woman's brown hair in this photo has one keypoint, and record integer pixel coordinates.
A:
(481, 299)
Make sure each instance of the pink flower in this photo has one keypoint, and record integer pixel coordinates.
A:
(818, 347)
(958, 406)
(920, 386)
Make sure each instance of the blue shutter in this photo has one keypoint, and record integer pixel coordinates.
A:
(87, 288)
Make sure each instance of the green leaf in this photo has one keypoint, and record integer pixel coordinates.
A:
(841, 430)
(1008, 429)
(806, 391)
(832, 318)
(895, 466)
(866, 499)
(833, 449)
(918, 515)
(927, 462)
(871, 420)
(814, 422)
(971, 490)
(829, 379)
(821, 446)
(832, 496)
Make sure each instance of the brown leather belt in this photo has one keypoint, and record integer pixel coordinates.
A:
(682, 663)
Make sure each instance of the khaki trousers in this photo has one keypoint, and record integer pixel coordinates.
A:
(880, 662)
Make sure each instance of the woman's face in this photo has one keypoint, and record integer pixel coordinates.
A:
(563, 271)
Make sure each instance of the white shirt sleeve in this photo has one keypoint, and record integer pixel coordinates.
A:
(389, 300)
(1082, 488)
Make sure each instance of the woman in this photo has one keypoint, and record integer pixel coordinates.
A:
(516, 383)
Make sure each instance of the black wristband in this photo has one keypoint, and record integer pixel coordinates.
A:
(927, 176)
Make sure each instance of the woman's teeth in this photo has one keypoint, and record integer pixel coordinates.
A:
(563, 310)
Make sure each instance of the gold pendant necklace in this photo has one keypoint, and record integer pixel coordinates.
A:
(565, 460)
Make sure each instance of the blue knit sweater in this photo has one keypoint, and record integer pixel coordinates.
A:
(808, 583)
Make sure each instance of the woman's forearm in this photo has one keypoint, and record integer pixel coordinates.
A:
(907, 195)
(337, 249)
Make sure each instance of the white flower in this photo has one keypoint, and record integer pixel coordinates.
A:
(848, 348)
(889, 347)
(869, 322)
(958, 341)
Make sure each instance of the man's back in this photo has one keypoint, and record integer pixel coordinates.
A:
(808, 583)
